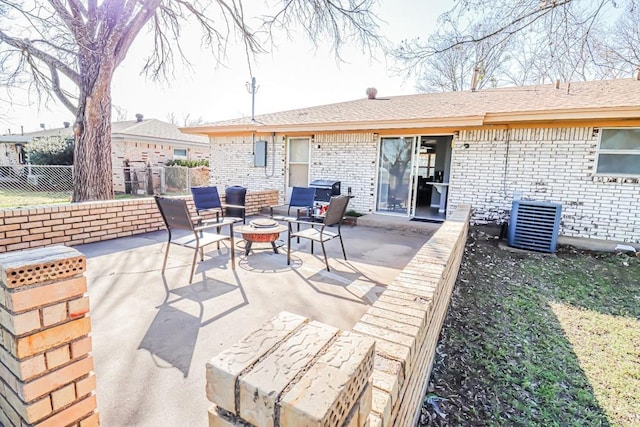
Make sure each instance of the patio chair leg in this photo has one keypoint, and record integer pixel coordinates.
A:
(193, 264)
(324, 252)
(312, 247)
(166, 255)
(233, 253)
(289, 245)
(342, 244)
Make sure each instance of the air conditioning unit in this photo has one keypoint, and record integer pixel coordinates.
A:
(534, 225)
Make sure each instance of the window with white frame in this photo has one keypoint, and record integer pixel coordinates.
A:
(180, 154)
(619, 152)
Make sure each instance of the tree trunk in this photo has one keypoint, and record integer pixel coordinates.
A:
(93, 174)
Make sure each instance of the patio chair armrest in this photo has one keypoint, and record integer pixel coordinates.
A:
(224, 205)
(292, 220)
(212, 223)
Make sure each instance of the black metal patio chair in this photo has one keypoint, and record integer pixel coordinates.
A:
(207, 199)
(175, 214)
(317, 232)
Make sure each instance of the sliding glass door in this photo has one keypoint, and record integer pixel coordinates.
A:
(394, 175)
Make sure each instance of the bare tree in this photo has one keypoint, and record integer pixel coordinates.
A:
(533, 41)
(452, 69)
(71, 49)
(187, 120)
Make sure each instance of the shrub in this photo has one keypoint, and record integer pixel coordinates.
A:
(187, 163)
(50, 151)
(353, 213)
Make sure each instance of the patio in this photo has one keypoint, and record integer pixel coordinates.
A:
(152, 335)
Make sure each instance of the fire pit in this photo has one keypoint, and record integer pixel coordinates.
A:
(262, 230)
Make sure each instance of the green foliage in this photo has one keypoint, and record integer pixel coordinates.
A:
(188, 163)
(50, 151)
(353, 213)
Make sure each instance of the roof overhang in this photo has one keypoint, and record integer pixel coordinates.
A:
(443, 122)
(454, 123)
(157, 140)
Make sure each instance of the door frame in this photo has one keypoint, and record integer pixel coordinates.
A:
(288, 168)
(377, 174)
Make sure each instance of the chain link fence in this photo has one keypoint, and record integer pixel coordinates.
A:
(29, 185)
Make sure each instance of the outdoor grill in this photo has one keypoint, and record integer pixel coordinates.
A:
(325, 189)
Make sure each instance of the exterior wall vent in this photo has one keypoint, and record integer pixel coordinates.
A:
(534, 225)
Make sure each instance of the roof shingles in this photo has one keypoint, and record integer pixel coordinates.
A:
(574, 96)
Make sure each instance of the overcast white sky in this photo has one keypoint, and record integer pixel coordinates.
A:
(293, 76)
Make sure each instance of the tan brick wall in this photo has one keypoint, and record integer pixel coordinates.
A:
(406, 320)
(555, 165)
(46, 368)
(292, 372)
(254, 382)
(80, 223)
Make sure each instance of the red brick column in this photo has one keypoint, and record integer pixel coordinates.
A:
(46, 368)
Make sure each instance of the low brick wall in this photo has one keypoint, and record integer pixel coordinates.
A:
(46, 368)
(292, 372)
(404, 323)
(80, 223)
(406, 320)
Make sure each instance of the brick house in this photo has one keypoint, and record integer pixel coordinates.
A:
(420, 156)
(12, 149)
(141, 142)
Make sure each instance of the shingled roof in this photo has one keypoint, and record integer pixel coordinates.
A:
(571, 101)
(148, 128)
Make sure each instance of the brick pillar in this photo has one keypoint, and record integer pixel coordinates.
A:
(292, 372)
(46, 368)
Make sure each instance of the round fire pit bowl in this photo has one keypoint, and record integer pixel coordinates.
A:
(261, 230)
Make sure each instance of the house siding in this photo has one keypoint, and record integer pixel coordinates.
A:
(346, 157)
(545, 164)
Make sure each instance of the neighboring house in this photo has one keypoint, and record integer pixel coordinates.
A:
(12, 149)
(418, 156)
(142, 142)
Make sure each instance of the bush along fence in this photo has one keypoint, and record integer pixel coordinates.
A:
(80, 223)
(294, 372)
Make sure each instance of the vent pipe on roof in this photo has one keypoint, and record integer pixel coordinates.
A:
(41, 125)
(372, 92)
(638, 75)
(557, 83)
(139, 117)
(66, 124)
(474, 79)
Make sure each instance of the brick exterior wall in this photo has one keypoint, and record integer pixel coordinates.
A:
(80, 223)
(555, 165)
(139, 152)
(156, 153)
(46, 367)
(346, 157)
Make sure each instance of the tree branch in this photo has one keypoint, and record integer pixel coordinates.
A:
(27, 48)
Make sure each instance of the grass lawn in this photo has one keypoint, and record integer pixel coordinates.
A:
(15, 198)
(534, 339)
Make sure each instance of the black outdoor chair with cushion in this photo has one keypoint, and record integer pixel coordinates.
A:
(318, 232)
(207, 199)
(175, 214)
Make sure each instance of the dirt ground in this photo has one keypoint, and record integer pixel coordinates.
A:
(538, 339)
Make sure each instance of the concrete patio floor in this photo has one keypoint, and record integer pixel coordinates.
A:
(152, 335)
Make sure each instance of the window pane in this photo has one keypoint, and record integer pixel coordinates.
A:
(298, 175)
(627, 164)
(620, 139)
(299, 150)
